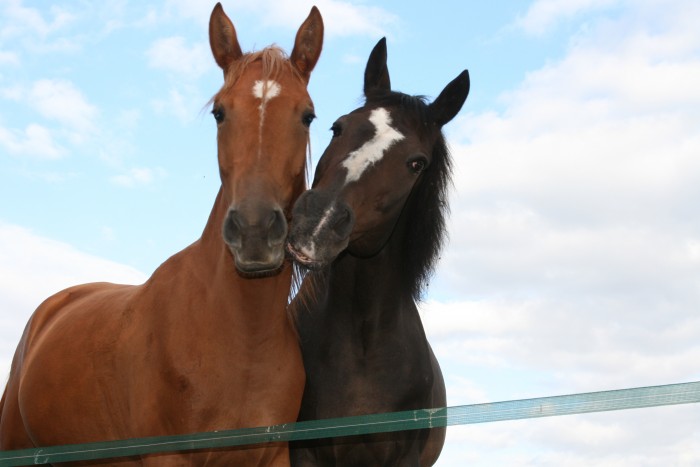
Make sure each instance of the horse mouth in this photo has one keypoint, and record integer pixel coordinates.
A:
(303, 260)
(259, 273)
(257, 269)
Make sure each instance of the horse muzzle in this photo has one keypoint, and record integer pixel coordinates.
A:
(320, 230)
(255, 236)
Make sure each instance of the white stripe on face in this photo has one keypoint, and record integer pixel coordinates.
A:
(322, 223)
(373, 150)
(265, 91)
(309, 249)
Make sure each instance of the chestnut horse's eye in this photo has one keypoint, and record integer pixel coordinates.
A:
(417, 165)
(218, 113)
(307, 118)
(336, 129)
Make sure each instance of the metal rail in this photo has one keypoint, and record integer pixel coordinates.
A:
(603, 401)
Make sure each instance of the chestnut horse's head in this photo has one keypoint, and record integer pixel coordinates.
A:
(263, 113)
(381, 154)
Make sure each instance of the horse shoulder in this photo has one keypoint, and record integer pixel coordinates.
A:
(38, 363)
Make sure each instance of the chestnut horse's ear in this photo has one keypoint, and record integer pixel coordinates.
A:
(223, 39)
(450, 101)
(308, 44)
(377, 74)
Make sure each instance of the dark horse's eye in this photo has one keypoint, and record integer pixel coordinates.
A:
(417, 165)
(218, 113)
(307, 118)
(336, 129)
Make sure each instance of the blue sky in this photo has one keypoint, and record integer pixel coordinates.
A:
(107, 99)
(574, 260)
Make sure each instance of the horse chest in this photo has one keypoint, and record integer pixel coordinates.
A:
(350, 379)
(223, 385)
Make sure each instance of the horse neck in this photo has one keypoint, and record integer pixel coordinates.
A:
(374, 287)
(258, 299)
(211, 239)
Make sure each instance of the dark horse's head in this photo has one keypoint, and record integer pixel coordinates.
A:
(385, 155)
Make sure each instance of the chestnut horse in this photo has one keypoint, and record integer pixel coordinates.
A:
(370, 230)
(206, 343)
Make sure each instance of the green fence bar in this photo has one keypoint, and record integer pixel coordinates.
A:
(634, 398)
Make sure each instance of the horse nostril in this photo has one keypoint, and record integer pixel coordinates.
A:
(276, 228)
(232, 229)
(343, 222)
(249, 229)
(271, 219)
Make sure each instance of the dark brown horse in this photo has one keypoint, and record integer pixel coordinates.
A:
(206, 343)
(370, 229)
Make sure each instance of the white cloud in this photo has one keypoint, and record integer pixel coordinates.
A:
(352, 59)
(13, 92)
(138, 176)
(573, 262)
(108, 233)
(595, 157)
(174, 55)
(542, 15)
(36, 31)
(183, 103)
(35, 140)
(191, 10)
(58, 101)
(62, 102)
(8, 58)
(649, 438)
(129, 119)
(19, 18)
(32, 268)
(341, 18)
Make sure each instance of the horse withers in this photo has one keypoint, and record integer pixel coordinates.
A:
(205, 344)
(370, 230)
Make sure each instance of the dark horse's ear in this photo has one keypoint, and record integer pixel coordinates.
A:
(222, 38)
(377, 74)
(450, 101)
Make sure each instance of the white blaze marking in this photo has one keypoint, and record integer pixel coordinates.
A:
(373, 150)
(309, 249)
(322, 223)
(265, 91)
